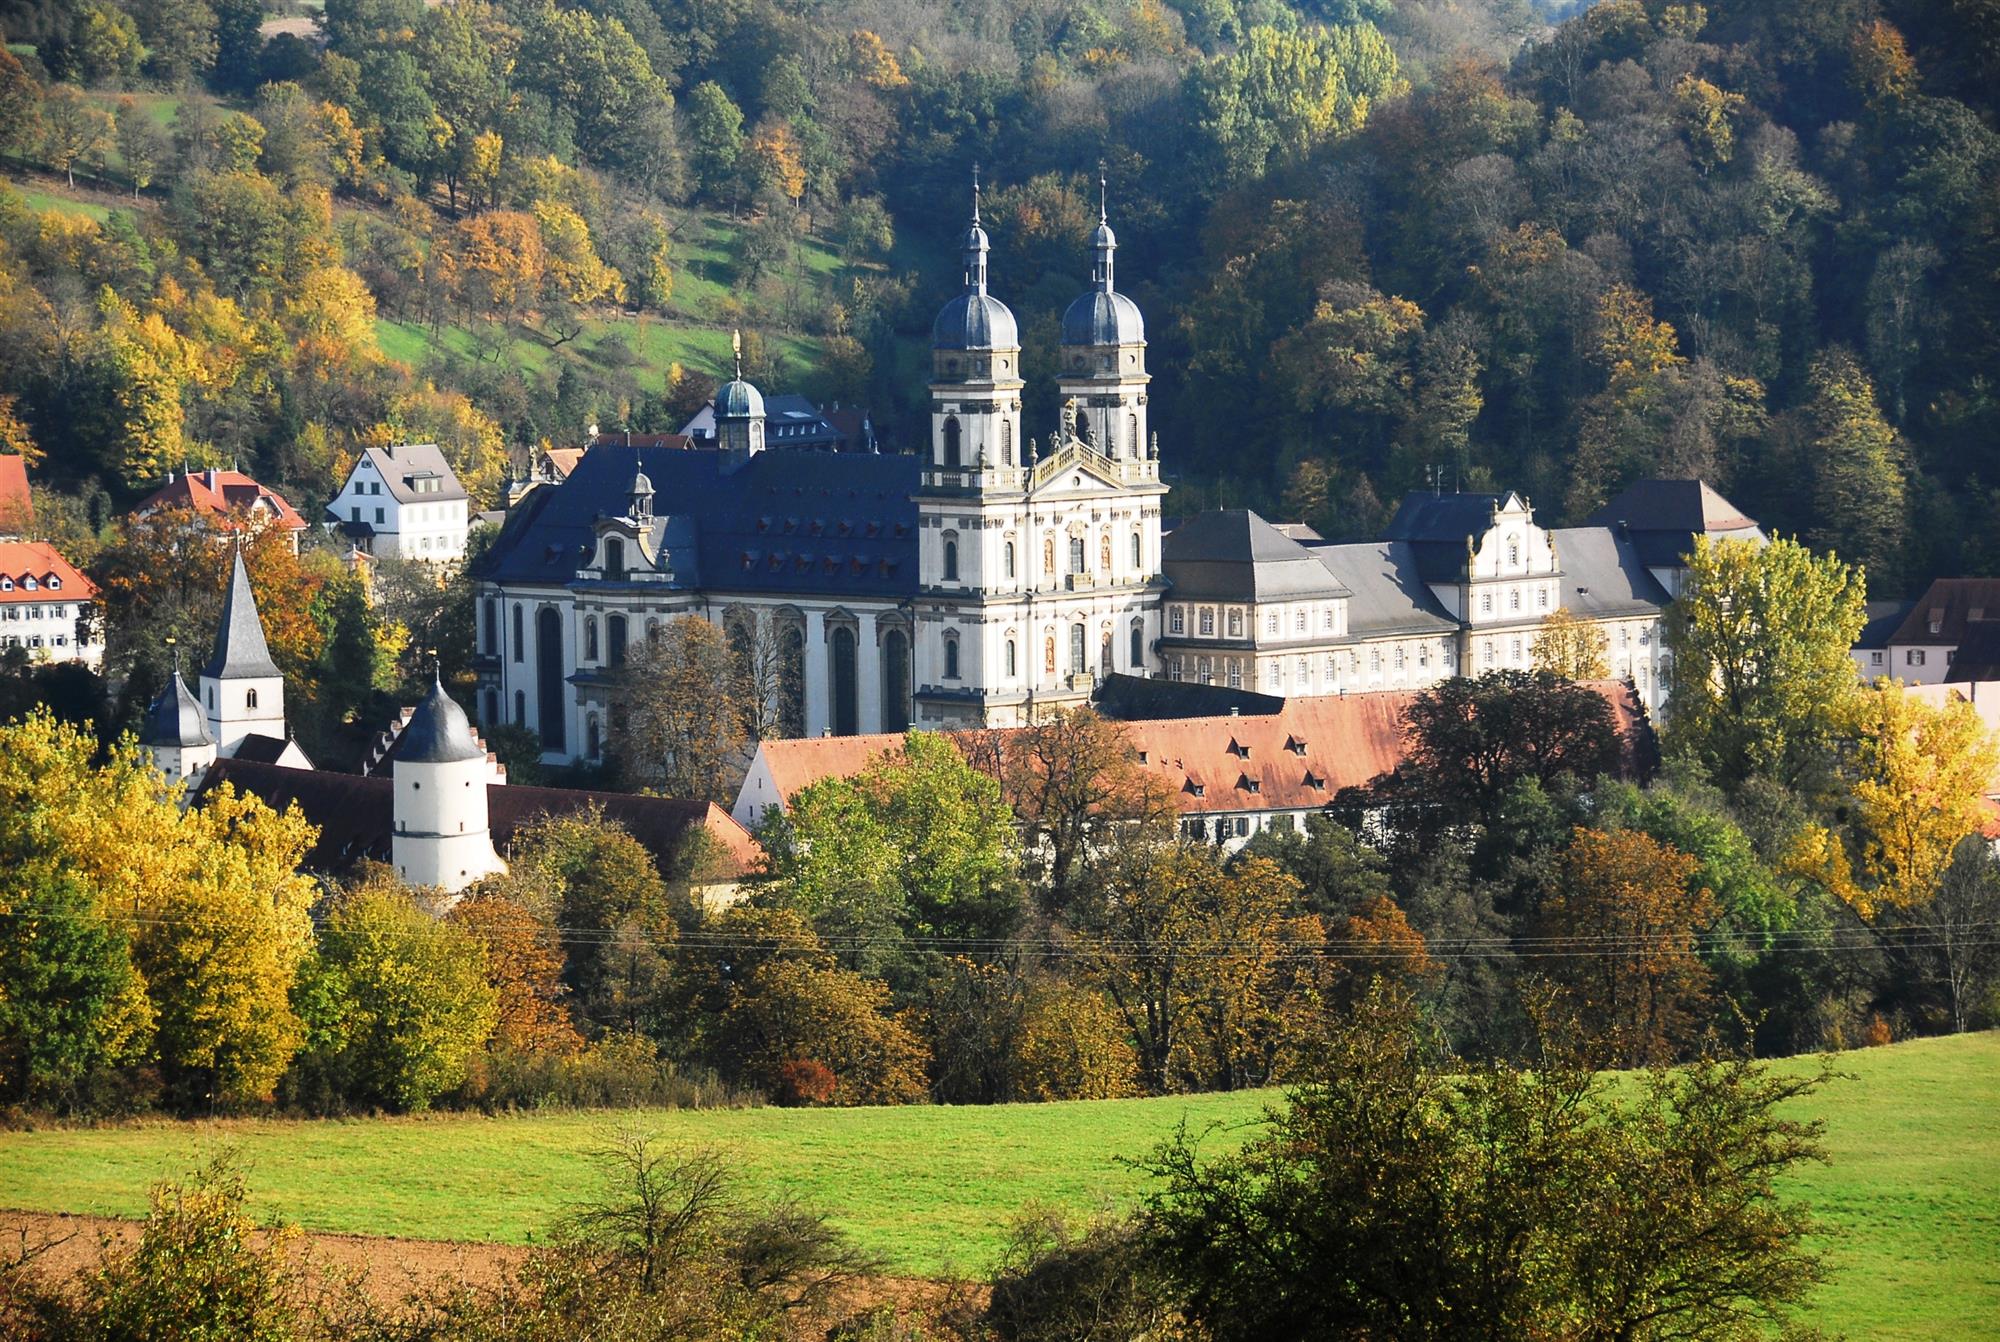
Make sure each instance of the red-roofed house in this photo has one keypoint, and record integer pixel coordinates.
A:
(17, 504)
(1231, 776)
(226, 497)
(43, 601)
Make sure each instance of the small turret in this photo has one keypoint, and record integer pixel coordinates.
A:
(739, 412)
(441, 771)
(176, 732)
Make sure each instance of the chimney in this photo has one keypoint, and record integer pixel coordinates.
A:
(1235, 711)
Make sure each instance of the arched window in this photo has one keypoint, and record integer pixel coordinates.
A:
(1012, 671)
(1138, 647)
(550, 675)
(846, 717)
(614, 558)
(951, 561)
(952, 435)
(1077, 664)
(1006, 441)
(1513, 553)
(590, 638)
(1076, 554)
(489, 641)
(615, 626)
(895, 681)
(520, 643)
(1008, 553)
(950, 657)
(520, 709)
(1138, 556)
(593, 738)
(249, 698)
(792, 683)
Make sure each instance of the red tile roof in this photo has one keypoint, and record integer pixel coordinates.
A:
(17, 504)
(220, 493)
(24, 561)
(1293, 760)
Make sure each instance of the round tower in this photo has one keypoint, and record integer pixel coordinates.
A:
(975, 369)
(176, 732)
(739, 412)
(1102, 376)
(441, 772)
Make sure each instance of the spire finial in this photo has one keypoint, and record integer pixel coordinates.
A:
(975, 191)
(736, 348)
(1103, 188)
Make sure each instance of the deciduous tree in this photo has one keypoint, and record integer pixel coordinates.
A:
(1572, 648)
(679, 730)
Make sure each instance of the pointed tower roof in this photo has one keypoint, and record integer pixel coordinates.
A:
(240, 650)
(975, 319)
(438, 732)
(175, 718)
(1102, 315)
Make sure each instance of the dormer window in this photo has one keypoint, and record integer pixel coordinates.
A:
(6, 584)
(30, 583)
(1239, 750)
(1245, 783)
(1295, 744)
(55, 585)
(1193, 788)
(1314, 781)
(614, 558)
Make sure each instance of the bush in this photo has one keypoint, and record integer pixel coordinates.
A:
(1096, 1282)
(805, 1081)
(619, 1071)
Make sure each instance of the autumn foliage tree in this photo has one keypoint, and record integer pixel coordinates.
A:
(1619, 933)
(1570, 647)
(524, 963)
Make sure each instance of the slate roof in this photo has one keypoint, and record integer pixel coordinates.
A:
(399, 465)
(1387, 595)
(1664, 516)
(1435, 527)
(258, 748)
(1604, 575)
(438, 733)
(1949, 604)
(175, 717)
(1978, 655)
(786, 521)
(354, 814)
(1235, 555)
(240, 650)
(1884, 618)
(1129, 697)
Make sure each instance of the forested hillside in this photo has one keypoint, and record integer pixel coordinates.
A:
(1379, 242)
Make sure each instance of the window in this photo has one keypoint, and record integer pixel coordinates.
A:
(1326, 618)
(1489, 654)
(1208, 624)
(520, 709)
(378, 517)
(1138, 560)
(1374, 661)
(1132, 434)
(952, 434)
(950, 658)
(1006, 442)
(1514, 653)
(1875, 658)
(614, 558)
(1486, 604)
(1271, 623)
(1177, 620)
(489, 630)
(1398, 659)
(355, 513)
(615, 627)
(593, 743)
(1542, 598)
(1007, 557)
(1076, 554)
(1008, 660)
(590, 638)
(1513, 553)
(951, 561)
(1914, 657)
(249, 698)
(1138, 658)
(1299, 623)
(1078, 655)
(1235, 673)
(1236, 624)
(1513, 598)
(520, 642)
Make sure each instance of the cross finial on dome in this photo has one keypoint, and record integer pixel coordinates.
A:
(975, 192)
(1103, 187)
(736, 347)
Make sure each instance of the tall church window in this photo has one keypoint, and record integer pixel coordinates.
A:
(616, 628)
(951, 561)
(1008, 661)
(490, 633)
(846, 715)
(895, 681)
(549, 678)
(1076, 554)
(590, 638)
(614, 558)
(1008, 552)
(952, 433)
(491, 703)
(1138, 558)
(950, 657)
(1077, 655)
(1138, 658)
(792, 683)
(1006, 441)
(520, 709)
(520, 643)
(1132, 435)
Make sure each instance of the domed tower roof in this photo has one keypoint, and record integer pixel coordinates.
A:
(1103, 316)
(438, 733)
(175, 718)
(975, 320)
(736, 398)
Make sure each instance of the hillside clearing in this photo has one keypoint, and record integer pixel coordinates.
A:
(1912, 1195)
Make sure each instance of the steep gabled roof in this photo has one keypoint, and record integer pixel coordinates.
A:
(399, 467)
(17, 501)
(240, 650)
(1662, 518)
(216, 493)
(1235, 555)
(1945, 610)
(1436, 528)
(1387, 594)
(53, 577)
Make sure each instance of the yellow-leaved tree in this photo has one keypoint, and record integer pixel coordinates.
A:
(1570, 647)
(1921, 772)
(214, 907)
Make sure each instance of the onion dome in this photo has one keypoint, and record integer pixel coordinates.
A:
(438, 732)
(975, 320)
(175, 718)
(737, 399)
(1103, 316)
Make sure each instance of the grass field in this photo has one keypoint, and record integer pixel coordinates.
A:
(1912, 1195)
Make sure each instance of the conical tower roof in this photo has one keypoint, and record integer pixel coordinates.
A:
(240, 650)
(176, 719)
(438, 732)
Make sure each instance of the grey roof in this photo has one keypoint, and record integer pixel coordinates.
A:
(737, 399)
(240, 650)
(1147, 698)
(259, 748)
(1663, 517)
(1235, 555)
(975, 320)
(1978, 655)
(405, 462)
(1435, 527)
(1951, 604)
(176, 718)
(1884, 617)
(437, 733)
(1103, 318)
(1387, 596)
(1604, 575)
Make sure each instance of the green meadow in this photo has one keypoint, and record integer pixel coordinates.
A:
(1910, 1198)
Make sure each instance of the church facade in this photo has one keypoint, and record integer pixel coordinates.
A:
(997, 575)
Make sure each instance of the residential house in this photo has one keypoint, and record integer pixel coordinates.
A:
(402, 501)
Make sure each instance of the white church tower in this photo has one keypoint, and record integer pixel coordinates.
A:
(441, 771)
(176, 734)
(1039, 571)
(1102, 376)
(241, 690)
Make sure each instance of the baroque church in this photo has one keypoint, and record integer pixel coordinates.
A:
(995, 575)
